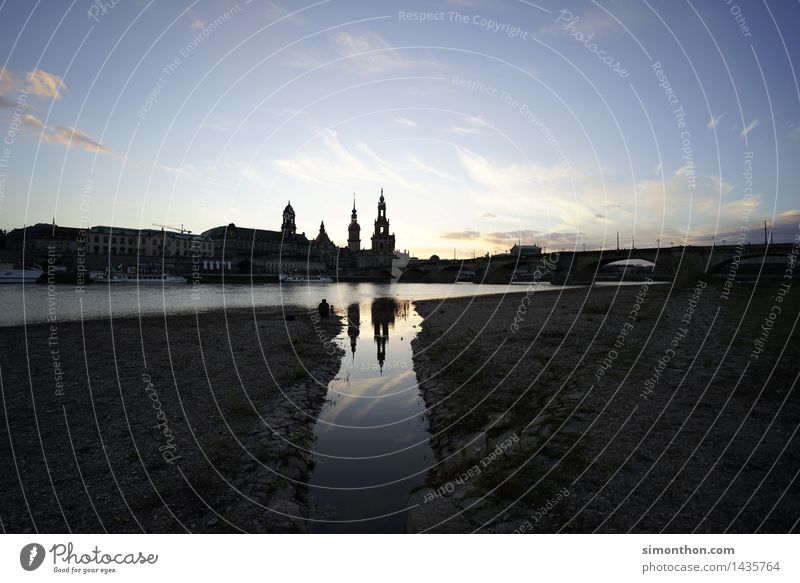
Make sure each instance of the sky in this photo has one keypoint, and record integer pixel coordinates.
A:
(485, 122)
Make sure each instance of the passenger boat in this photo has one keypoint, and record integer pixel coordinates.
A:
(9, 274)
(140, 278)
(284, 278)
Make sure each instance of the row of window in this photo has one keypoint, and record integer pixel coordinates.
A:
(145, 252)
(203, 246)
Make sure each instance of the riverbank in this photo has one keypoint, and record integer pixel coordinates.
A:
(610, 410)
(163, 424)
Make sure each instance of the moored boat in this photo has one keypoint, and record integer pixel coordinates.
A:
(10, 274)
(140, 279)
(285, 278)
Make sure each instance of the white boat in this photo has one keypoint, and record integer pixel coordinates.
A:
(10, 274)
(284, 278)
(140, 279)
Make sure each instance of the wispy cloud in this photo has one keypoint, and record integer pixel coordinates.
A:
(714, 121)
(794, 135)
(473, 125)
(37, 82)
(274, 11)
(32, 121)
(364, 53)
(406, 122)
(69, 137)
(418, 164)
(331, 162)
(73, 137)
(45, 85)
(750, 127)
(477, 121)
(370, 53)
(461, 235)
(454, 129)
(172, 170)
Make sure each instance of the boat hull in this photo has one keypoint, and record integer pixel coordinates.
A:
(134, 281)
(20, 276)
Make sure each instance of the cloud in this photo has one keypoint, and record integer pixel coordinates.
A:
(750, 127)
(461, 235)
(70, 137)
(331, 162)
(507, 239)
(275, 11)
(488, 216)
(511, 177)
(783, 229)
(37, 82)
(197, 24)
(475, 125)
(418, 164)
(45, 85)
(362, 53)
(714, 121)
(476, 120)
(794, 135)
(67, 136)
(173, 170)
(32, 121)
(406, 122)
(464, 130)
(370, 53)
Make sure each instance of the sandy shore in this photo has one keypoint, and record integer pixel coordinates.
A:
(611, 410)
(173, 424)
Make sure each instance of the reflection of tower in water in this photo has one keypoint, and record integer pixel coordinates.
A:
(353, 325)
(382, 315)
(384, 311)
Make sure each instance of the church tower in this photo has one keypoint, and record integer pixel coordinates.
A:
(322, 240)
(354, 231)
(288, 227)
(382, 241)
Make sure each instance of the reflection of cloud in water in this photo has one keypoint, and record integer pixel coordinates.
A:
(404, 382)
(409, 437)
(401, 407)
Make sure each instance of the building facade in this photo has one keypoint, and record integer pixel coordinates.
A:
(120, 241)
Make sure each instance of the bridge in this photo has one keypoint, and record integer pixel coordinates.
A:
(684, 264)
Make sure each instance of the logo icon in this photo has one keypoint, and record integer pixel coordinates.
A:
(31, 556)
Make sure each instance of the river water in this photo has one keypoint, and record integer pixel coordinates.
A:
(371, 439)
(31, 302)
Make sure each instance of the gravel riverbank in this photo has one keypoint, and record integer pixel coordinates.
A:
(162, 424)
(612, 410)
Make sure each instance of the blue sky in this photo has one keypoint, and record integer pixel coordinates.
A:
(485, 122)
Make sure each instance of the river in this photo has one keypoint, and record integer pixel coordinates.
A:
(371, 439)
(33, 303)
